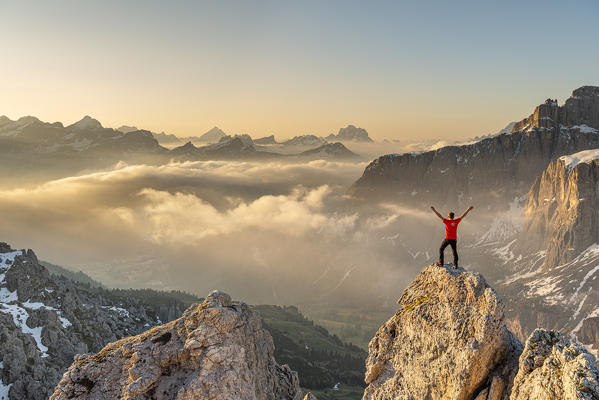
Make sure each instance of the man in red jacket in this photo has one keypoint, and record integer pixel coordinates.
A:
(451, 235)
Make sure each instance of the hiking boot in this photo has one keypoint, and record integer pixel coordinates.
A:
(438, 264)
(455, 266)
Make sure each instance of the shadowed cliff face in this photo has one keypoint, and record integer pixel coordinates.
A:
(494, 170)
(45, 321)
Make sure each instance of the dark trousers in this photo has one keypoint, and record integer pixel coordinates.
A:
(449, 242)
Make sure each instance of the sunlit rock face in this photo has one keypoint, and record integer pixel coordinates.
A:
(561, 210)
(216, 350)
(448, 340)
(493, 170)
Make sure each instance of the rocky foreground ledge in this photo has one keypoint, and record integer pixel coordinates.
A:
(217, 350)
(449, 340)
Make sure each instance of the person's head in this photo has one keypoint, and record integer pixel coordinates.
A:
(451, 215)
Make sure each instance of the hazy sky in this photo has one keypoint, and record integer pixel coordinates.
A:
(400, 69)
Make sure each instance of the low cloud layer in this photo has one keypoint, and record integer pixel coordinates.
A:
(266, 232)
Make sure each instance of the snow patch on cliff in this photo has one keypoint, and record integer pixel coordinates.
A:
(20, 317)
(585, 156)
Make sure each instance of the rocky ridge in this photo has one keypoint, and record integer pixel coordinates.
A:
(330, 150)
(581, 110)
(493, 170)
(216, 350)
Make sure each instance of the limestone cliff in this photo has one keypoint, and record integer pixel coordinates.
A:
(492, 170)
(561, 210)
(216, 350)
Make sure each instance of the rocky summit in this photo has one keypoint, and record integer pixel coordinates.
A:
(449, 340)
(216, 350)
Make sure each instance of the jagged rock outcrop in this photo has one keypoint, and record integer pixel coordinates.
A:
(216, 350)
(491, 171)
(561, 210)
(448, 340)
(582, 108)
(552, 367)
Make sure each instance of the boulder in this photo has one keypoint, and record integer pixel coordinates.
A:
(552, 367)
(217, 350)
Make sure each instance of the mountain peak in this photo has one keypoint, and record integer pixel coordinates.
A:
(350, 132)
(213, 135)
(86, 123)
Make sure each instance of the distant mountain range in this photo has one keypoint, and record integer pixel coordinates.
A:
(348, 134)
(30, 147)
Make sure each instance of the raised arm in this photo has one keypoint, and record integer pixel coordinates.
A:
(435, 211)
(466, 212)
